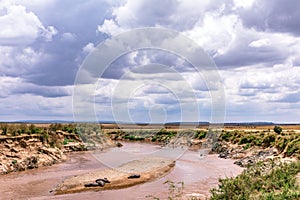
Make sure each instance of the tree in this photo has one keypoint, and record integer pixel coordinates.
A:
(32, 129)
(277, 129)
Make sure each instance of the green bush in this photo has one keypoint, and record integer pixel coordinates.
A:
(226, 136)
(247, 146)
(269, 140)
(293, 147)
(257, 183)
(281, 143)
(200, 135)
(247, 139)
(277, 129)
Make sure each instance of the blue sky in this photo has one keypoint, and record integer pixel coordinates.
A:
(254, 44)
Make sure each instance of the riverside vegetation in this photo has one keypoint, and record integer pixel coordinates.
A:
(270, 157)
(272, 178)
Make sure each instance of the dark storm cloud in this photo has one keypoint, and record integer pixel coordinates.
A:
(290, 98)
(157, 61)
(76, 22)
(243, 55)
(51, 92)
(274, 16)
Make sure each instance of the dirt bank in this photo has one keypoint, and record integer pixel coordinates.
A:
(27, 146)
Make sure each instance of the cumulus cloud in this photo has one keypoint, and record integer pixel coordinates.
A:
(255, 45)
(19, 26)
(88, 48)
(273, 16)
(110, 27)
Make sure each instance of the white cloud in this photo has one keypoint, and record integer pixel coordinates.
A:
(260, 43)
(21, 27)
(88, 48)
(32, 107)
(109, 27)
(260, 84)
(243, 3)
(215, 33)
(49, 32)
(69, 37)
(19, 61)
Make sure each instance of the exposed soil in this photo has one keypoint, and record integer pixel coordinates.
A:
(147, 169)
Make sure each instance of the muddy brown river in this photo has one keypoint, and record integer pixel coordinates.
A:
(198, 175)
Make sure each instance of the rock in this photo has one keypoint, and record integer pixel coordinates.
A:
(223, 152)
(31, 162)
(23, 144)
(263, 154)
(223, 155)
(15, 150)
(134, 176)
(119, 144)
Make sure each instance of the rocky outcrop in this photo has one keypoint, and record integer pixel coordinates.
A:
(244, 157)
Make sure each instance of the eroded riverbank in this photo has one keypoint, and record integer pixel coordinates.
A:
(199, 175)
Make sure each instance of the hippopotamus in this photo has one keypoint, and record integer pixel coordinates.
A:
(91, 184)
(99, 182)
(134, 176)
(105, 180)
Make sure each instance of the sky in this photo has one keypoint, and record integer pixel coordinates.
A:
(254, 44)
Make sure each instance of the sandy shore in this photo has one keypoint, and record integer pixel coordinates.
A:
(148, 169)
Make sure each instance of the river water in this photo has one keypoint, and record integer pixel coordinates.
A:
(198, 175)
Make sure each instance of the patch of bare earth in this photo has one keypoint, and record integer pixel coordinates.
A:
(148, 168)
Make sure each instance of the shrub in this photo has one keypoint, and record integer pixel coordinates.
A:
(226, 136)
(247, 139)
(293, 147)
(269, 140)
(256, 183)
(277, 129)
(200, 135)
(247, 146)
(281, 143)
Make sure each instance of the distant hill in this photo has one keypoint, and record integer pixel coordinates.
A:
(44, 121)
(145, 123)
